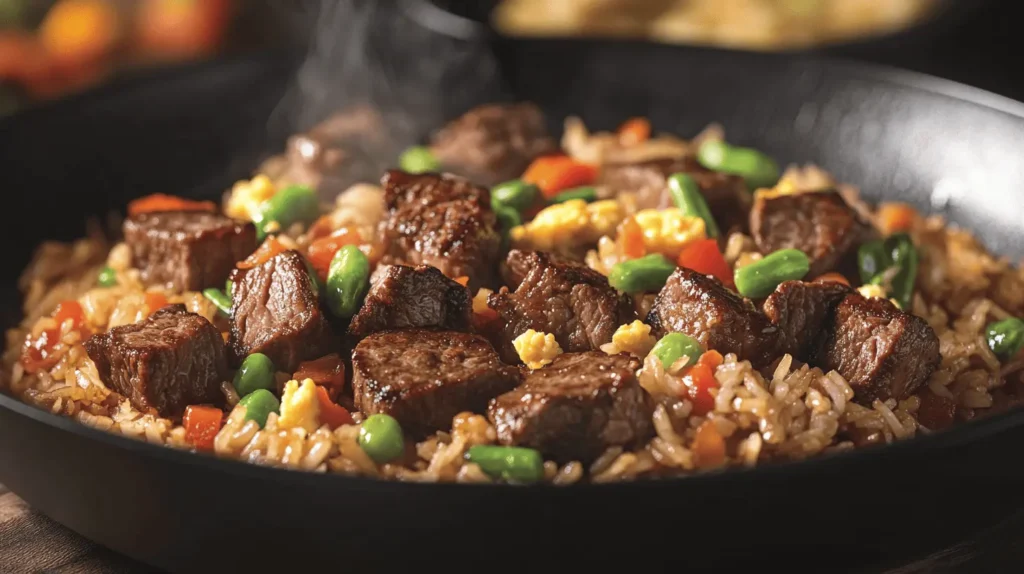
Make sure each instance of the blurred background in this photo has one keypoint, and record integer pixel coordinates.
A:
(52, 48)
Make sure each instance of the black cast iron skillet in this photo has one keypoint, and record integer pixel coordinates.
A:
(943, 147)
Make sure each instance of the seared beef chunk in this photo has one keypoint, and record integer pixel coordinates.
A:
(881, 351)
(518, 264)
(701, 307)
(576, 407)
(567, 299)
(494, 142)
(275, 311)
(821, 224)
(403, 297)
(424, 378)
(440, 220)
(801, 311)
(726, 195)
(187, 250)
(164, 363)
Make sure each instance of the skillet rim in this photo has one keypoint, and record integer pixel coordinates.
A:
(964, 433)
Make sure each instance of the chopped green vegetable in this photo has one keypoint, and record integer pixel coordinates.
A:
(107, 277)
(293, 204)
(348, 279)
(586, 193)
(256, 372)
(688, 198)
(516, 194)
(228, 287)
(645, 274)
(756, 168)
(1005, 338)
(259, 404)
(510, 463)
(760, 278)
(218, 298)
(876, 261)
(418, 159)
(872, 259)
(673, 346)
(380, 437)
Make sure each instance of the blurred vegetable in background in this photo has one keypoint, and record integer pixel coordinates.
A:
(181, 28)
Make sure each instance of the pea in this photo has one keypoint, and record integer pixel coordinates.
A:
(380, 437)
(218, 298)
(1005, 337)
(418, 159)
(903, 254)
(259, 404)
(256, 372)
(872, 260)
(647, 273)
(510, 463)
(107, 277)
(760, 278)
(348, 278)
(756, 168)
(516, 194)
(673, 346)
(293, 204)
(688, 198)
(586, 193)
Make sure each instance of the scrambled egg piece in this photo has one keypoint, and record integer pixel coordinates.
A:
(246, 197)
(574, 222)
(667, 231)
(536, 349)
(634, 338)
(872, 291)
(480, 301)
(299, 406)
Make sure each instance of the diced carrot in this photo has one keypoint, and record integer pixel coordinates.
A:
(833, 278)
(896, 217)
(703, 256)
(202, 425)
(327, 371)
(81, 31)
(634, 131)
(322, 251)
(155, 301)
(265, 252)
(463, 280)
(632, 236)
(700, 379)
(37, 352)
(164, 202)
(331, 413)
(553, 174)
(69, 309)
(709, 446)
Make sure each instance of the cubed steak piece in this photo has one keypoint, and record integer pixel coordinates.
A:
(404, 297)
(576, 407)
(726, 195)
(164, 363)
(881, 351)
(493, 142)
(443, 221)
(276, 311)
(821, 224)
(567, 299)
(701, 307)
(802, 311)
(424, 377)
(187, 250)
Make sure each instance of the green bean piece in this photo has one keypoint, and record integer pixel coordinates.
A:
(418, 159)
(586, 193)
(507, 217)
(760, 278)
(645, 274)
(380, 437)
(688, 198)
(872, 260)
(293, 204)
(509, 463)
(903, 254)
(756, 168)
(673, 346)
(259, 404)
(1005, 338)
(256, 372)
(218, 298)
(516, 194)
(107, 277)
(348, 279)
